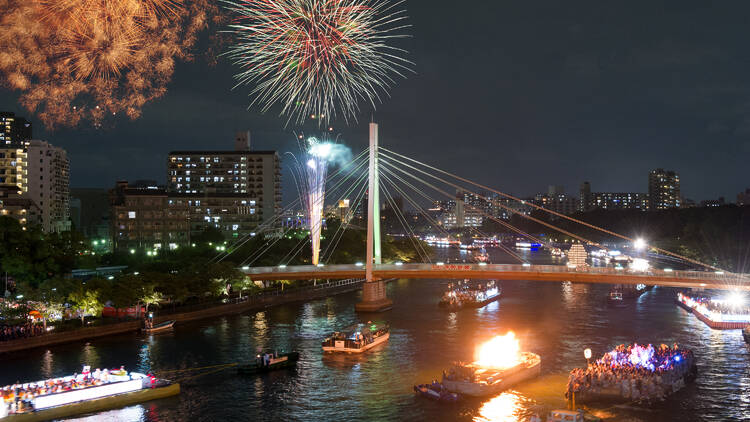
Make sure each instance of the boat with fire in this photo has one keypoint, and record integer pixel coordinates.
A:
(357, 338)
(267, 362)
(77, 394)
(465, 295)
(632, 373)
(499, 366)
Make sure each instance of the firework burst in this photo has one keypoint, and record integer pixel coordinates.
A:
(315, 58)
(76, 60)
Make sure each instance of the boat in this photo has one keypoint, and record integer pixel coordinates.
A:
(159, 327)
(476, 380)
(77, 394)
(463, 295)
(436, 391)
(481, 256)
(622, 293)
(746, 334)
(275, 361)
(663, 370)
(357, 338)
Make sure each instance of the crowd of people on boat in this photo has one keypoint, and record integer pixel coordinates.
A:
(13, 332)
(18, 398)
(634, 372)
(717, 306)
(462, 293)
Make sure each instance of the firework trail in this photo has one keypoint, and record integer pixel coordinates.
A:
(77, 60)
(310, 175)
(317, 58)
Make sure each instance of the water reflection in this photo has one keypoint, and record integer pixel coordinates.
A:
(505, 407)
(47, 362)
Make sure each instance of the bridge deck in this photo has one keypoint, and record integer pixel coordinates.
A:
(603, 275)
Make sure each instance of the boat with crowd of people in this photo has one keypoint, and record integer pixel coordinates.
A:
(357, 338)
(632, 374)
(464, 294)
(89, 391)
(270, 361)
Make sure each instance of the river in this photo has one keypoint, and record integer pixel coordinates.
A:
(556, 320)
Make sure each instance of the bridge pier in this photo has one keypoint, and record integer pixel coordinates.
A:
(373, 297)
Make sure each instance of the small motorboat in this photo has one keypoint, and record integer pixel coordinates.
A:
(267, 362)
(159, 327)
(746, 334)
(436, 391)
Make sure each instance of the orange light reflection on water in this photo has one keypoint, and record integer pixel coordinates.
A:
(505, 407)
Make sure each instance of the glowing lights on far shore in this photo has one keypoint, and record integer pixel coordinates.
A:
(500, 352)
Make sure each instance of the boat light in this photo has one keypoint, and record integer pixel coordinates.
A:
(245, 268)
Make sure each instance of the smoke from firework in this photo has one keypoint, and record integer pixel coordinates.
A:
(76, 60)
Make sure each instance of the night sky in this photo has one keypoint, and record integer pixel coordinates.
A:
(517, 95)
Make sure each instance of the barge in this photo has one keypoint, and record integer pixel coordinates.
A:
(79, 394)
(357, 338)
(714, 319)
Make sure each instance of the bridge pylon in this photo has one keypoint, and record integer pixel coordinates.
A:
(373, 289)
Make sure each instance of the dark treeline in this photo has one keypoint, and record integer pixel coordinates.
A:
(714, 235)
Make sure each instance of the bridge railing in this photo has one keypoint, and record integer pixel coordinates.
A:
(406, 268)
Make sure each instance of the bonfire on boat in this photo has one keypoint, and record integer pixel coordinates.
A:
(633, 373)
(499, 364)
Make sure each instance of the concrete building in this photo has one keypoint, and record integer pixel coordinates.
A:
(611, 200)
(233, 191)
(49, 184)
(743, 198)
(16, 205)
(585, 199)
(14, 131)
(141, 218)
(14, 167)
(663, 189)
(556, 200)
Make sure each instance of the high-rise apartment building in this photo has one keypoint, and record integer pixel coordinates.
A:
(14, 167)
(233, 191)
(584, 201)
(663, 189)
(611, 200)
(49, 184)
(16, 205)
(13, 130)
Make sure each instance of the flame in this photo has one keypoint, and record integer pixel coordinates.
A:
(499, 352)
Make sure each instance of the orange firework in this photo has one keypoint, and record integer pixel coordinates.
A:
(77, 60)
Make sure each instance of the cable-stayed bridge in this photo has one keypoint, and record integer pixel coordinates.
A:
(380, 169)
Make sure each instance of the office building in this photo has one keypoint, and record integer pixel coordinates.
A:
(14, 131)
(663, 189)
(49, 184)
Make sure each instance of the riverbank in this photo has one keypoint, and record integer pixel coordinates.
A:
(248, 303)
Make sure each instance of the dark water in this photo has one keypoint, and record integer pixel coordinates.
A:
(556, 320)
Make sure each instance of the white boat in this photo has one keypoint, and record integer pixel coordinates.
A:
(477, 381)
(358, 338)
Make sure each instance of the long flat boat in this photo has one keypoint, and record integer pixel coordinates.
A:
(358, 338)
(159, 327)
(463, 296)
(275, 361)
(476, 381)
(84, 393)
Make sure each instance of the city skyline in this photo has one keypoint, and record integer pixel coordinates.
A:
(523, 116)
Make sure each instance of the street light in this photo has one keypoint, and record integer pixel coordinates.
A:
(639, 244)
(132, 251)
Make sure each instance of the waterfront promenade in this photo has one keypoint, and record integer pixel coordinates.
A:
(190, 313)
